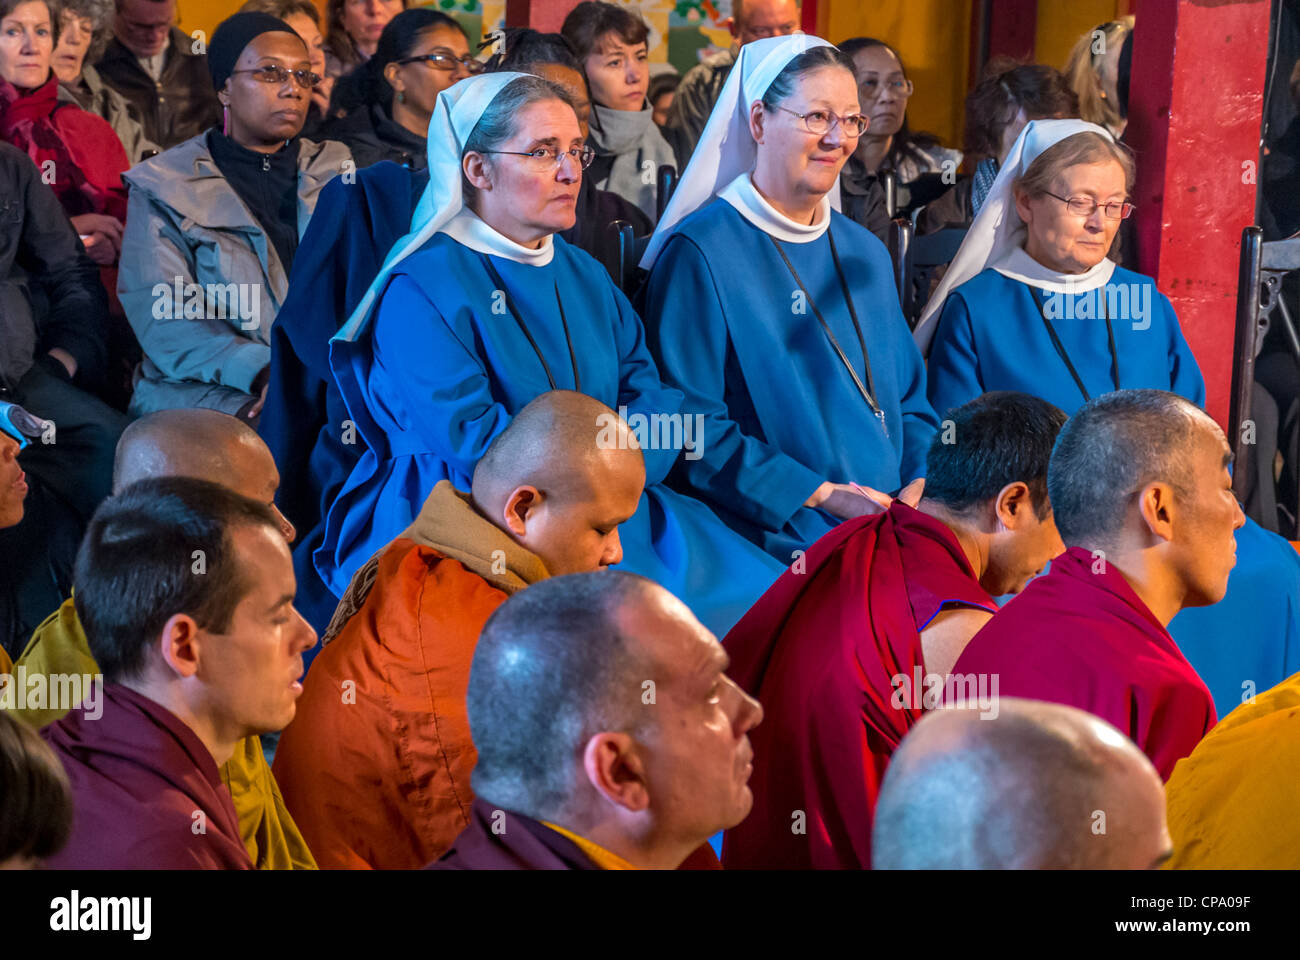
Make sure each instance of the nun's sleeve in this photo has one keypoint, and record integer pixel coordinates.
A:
(428, 382)
(640, 387)
(954, 376)
(687, 327)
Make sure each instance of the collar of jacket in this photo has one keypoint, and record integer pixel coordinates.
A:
(449, 524)
(186, 179)
(616, 132)
(179, 42)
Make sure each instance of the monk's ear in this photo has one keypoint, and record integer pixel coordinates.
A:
(476, 169)
(1014, 505)
(1156, 505)
(757, 116)
(520, 507)
(179, 644)
(614, 769)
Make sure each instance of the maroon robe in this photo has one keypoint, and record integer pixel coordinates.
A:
(821, 650)
(140, 780)
(1086, 639)
(522, 843)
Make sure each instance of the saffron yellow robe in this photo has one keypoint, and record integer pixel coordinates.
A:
(273, 840)
(1232, 803)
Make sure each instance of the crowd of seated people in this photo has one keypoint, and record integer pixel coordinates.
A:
(415, 538)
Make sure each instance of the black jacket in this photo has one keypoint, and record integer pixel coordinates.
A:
(50, 292)
(372, 135)
(181, 105)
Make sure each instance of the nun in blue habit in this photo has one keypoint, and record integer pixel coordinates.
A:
(777, 316)
(465, 325)
(1032, 303)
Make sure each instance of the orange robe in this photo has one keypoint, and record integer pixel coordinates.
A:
(376, 764)
(1232, 804)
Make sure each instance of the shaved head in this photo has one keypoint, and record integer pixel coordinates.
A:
(560, 479)
(202, 445)
(1040, 786)
(1113, 446)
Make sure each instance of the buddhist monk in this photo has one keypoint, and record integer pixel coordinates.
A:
(1232, 803)
(185, 591)
(1040, 787)
(849, 646)
(204, 445)
(376, 767)
(609, 736)
(1143, 499)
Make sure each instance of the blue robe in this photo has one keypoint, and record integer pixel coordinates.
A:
(302, 422)
(437, 374)
(781, 413)
(991, 336)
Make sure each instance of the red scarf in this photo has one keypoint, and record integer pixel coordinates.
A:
(87, 156)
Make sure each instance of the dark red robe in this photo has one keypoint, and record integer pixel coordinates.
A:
(145, 790)
(516, 843)
(1081, 636)
(821, 650)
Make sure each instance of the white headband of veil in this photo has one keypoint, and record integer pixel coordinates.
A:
(726, 148)
(455, 115)
(998, 229)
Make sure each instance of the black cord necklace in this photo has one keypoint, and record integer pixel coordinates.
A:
(510, 305)
(1060, 347)
(868, 390)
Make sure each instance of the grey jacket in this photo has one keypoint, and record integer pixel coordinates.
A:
(97, 97)
(186, 225)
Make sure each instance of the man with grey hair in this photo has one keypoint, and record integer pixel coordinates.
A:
(1041, 787)
(608, 733)
(1143, 500)
(701, 86)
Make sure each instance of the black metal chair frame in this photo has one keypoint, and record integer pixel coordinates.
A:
(1262, 268)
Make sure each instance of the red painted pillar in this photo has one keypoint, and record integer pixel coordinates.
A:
(1196, 103)
(1001, 28)
(543, 15)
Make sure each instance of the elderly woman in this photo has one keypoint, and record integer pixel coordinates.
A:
(79, 149)
(214, 223)
(430, 373)
(386, 104)
(1032, 303)
(612, 45)
(777, 316)
(354, 30)
(84, 31)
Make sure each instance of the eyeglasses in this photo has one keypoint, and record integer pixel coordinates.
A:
(822, 122)
(447, 61)
(548, 158)
(871, 88)
(274, 73)
(1087, 206)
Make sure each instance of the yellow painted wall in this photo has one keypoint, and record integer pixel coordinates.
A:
(1061, 24)
(932, 37)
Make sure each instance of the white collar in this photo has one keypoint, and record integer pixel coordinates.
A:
(1018, 265)
(750, 204)
(468, 228)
